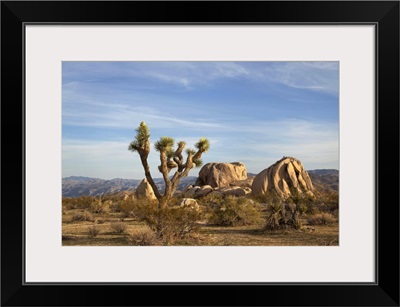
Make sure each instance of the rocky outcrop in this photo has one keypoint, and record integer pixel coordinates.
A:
(235, 191)
(221, 174)
(204, 190)
(246, 183)
(285, 175)
(144, 190)
(198, 192)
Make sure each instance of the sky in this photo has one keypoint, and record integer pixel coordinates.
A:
(251, 112)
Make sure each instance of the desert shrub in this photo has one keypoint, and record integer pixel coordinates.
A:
(324, 203)
(212, 199)
(267, 198)
(313, 207)
(99, 206)
(282, 215)
(235, 211)
(83, 202)
(118, 227)
(82, 216)
(321, 219)
(68, 203)
(170, 222)
(115, 206)
(302, 209)
(143, 237)
(332, 201)
(126, 208)
(93, 231)
(276, 216)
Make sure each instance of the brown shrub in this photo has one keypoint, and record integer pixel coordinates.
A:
(321, 219)
(143, 237)
(170, 222)
(93, 231)
(118, 227)
(99, 206)
(82, 216)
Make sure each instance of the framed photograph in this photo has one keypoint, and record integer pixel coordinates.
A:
(238, 148)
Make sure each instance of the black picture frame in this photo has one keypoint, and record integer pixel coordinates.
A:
(383, 14)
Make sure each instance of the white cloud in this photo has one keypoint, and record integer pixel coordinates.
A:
(307, 75)
(316, 76)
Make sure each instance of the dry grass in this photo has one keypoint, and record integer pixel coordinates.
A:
(136, 233)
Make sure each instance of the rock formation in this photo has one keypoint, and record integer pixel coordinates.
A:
(219, 175)
(144, 190)
(286, 174)
(235, 191)
(198, 192)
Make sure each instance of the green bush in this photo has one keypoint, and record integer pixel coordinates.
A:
(324, 203)
(235, 211)
(212, 199)
(267, 198)
(283, 215)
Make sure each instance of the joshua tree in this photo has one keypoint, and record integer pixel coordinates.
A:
(170, 158)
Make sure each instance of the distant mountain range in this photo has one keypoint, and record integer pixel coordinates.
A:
(326, 180)
(77, 185)
(322, 179)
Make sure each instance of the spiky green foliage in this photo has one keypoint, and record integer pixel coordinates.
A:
(181, 144)
(165, 143)
(142, 137)
(170, 153)
(203, 145)
(190, 151)
(198, 162)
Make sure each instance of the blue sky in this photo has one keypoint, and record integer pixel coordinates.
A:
(252, 112)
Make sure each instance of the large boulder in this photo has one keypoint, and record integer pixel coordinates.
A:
(203, 191)
(247, 183)
(190, 203)
(235, 191)
(190, 191)
(144, 190)
(221, 174)
(283, 177)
